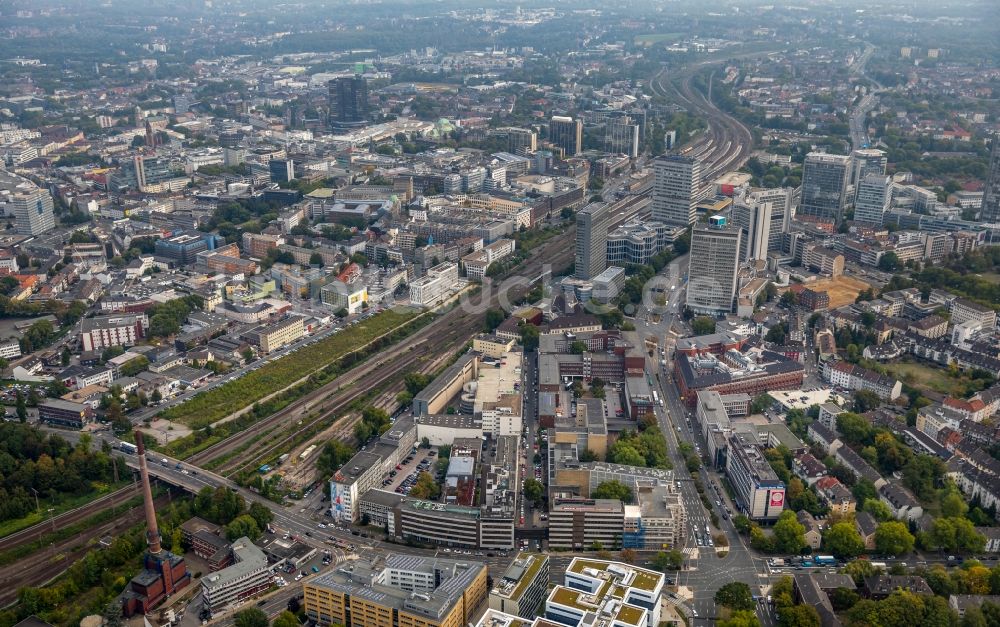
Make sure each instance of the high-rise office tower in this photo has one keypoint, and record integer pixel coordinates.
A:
(873, 199)
(824, 186)
(621, 136)
(676, 189)
(281, 170)
(712, 266)
(521, 140)
(566, 133)
(348, 101)
(592, 240)
(867, 161)
(991, 193)
(754, 219)
(780, 199)
(33, 212)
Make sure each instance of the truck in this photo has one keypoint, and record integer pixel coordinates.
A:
(283, 458)
(825, 560)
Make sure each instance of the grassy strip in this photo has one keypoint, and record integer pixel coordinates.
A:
(20, 552)
(208, 436)
(206, 408)
(59, 506)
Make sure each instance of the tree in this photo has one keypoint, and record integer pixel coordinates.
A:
(22, 408)
(889, 262)
(879, 510)
(776, 334)
(533, 490)
(703, 325)
(843, 540)
(529, 337)
(241, 526)
(843, 599)
(893, 538)
(261, 514)
(615, 490)
(494, 316)
(866, 400)
(789, 299)
(334, 455)
(760, 403)
(627, 555)
(668, 560)
(854, 428)
(789, 534)
(250, 617)
(742, 523)
(425, 487)
(578, 347)
(744, 618)
(799, 616)
(286, 619)
(953, 505)
(735, 595)
(922, 474)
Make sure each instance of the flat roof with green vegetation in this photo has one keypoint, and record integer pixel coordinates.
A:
(630, 614)
(213, 405)
(568, 597)
(535, 564)
(644, 579)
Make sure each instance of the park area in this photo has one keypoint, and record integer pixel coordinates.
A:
(843, 290)
(218, 403)
(657, 38)
(933, 378)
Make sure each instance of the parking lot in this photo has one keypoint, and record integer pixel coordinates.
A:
(402, 478)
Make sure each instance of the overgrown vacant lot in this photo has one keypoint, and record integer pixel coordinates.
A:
(215, 404)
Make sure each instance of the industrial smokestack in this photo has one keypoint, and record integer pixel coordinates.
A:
(152, 532)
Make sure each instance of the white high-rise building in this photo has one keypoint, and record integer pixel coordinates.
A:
(873, 199)
(592, 240)
(676, 189)
(33, 212)
(782, 205)
(712, 266)
(754, 218)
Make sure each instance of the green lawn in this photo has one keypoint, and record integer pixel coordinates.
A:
(656, 38)
(210, 406)
(992, 277)
(922, 376)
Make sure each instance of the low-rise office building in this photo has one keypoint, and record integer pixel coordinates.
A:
(62, 413)
(579, 523)
(402, 591)
(248, 576)
(621, 594)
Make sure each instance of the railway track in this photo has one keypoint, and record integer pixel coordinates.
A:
(726, 144)
(48, 563)
(442, 336)
(66, 519)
